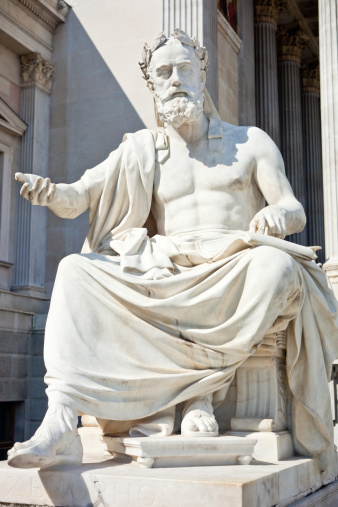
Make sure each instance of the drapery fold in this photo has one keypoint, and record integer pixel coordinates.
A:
(176, 316)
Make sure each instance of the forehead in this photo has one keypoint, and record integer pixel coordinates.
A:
(173, 53)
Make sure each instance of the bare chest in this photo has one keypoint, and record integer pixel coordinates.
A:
(187, 172)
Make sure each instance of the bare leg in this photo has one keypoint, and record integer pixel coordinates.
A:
(198, 418)
(55, 442)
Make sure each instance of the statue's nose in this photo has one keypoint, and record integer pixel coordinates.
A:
(175, 79)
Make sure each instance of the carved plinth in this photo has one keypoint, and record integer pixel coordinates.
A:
(179, 451)
(263, 400)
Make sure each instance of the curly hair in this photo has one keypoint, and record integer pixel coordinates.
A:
(161, 39)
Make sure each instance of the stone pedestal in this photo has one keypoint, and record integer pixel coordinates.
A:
(104, 482)
(291, 43)
(36, 77)
(328, 30)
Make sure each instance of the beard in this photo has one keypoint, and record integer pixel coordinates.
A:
(180, 110)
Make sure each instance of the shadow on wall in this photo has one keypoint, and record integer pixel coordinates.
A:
(89, 115)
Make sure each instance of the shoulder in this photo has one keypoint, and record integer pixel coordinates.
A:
(145, 135)
(249, 132)
(258, 142)
(258, 135)
(252, 137)
(244, 134)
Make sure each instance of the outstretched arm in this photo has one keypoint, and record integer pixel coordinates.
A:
(66, 201)
(284, 214)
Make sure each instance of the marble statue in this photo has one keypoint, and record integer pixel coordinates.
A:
(138, 324)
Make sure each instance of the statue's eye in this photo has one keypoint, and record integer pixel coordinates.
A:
(185, 69)
(164, 72)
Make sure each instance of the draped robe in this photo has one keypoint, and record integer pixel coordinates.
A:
(137, 325)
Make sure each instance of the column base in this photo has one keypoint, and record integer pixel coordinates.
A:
(5, 274)
(29, 290)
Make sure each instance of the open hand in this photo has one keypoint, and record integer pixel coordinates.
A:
(270, 220)
(36, 190)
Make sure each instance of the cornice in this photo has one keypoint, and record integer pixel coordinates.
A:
(49, 12)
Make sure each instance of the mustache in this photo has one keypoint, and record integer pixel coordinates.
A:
(172, 92)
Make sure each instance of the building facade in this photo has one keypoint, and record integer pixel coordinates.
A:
(70, 87)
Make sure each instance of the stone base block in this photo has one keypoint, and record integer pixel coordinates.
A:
(108, 483)
(270, 446)
(180, 451)
(91, 438)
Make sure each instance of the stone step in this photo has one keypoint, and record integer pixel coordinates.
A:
(16, 320)
(15, 301)
(104, 481)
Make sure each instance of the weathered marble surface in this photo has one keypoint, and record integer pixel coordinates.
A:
(139, 324)
(100, 482)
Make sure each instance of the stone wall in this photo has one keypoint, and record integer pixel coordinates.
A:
(98, 95)
(228, 48)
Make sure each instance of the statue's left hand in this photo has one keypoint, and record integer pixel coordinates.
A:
(270, 220)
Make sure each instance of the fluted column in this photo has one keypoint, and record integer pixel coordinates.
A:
(267, 112)
(198, 18)
(36, 83)
(328, 45)
(291, 43)
(313, 154)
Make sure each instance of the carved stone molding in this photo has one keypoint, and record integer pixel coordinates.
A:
(35, 71)
(309, 72)
(291, 41)
(50, 13)
(267, 11)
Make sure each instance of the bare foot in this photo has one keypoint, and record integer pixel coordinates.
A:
(56, 442)
(198, 418)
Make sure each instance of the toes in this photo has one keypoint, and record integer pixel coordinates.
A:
(209, 424)
(199, 422)
(189, 424)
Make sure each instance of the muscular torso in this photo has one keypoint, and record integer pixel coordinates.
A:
(196, 188)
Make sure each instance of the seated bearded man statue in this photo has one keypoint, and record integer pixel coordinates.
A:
(138, 324)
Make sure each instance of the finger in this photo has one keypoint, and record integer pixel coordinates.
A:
(51, 193)
(36, 185)
(45, 184)
(21, 177)
(261, 225)
(271, 225)
(24, 191)
(43, 191)
(44, 187)
(278, 226)
(253, 225)
(283, 226)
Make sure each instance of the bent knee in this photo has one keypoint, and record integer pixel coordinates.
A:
(71, 264)
(271, 261)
